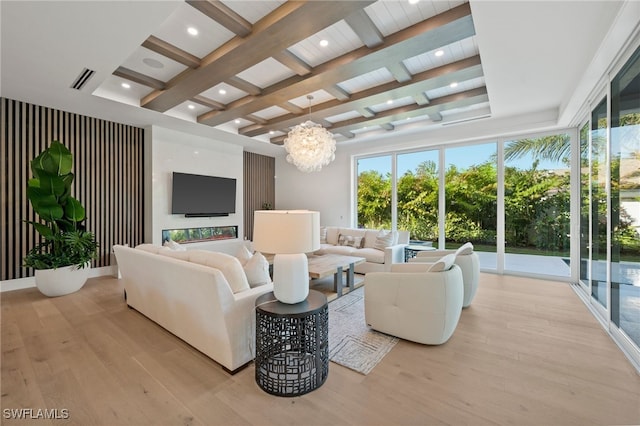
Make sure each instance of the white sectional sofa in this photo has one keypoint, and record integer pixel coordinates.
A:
(200, 296)
(367, 243)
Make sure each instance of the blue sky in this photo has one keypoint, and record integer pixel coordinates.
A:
(463, 157)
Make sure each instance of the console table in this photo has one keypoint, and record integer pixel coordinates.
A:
(292, 344)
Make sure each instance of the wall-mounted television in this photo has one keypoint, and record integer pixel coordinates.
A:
(202, 196)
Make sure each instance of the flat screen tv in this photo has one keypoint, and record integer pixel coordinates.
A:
(202, 196)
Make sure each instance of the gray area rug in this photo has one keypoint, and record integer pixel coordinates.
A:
(351, 342)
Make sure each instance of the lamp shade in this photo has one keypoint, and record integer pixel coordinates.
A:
(286, 231)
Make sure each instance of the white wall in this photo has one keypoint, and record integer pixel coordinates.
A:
(173, 151)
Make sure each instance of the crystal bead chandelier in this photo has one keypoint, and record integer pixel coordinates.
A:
(309, 145)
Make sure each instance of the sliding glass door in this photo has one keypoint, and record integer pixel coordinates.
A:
(537, 194)
(625, 199)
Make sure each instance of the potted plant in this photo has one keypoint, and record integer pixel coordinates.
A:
(63, 256)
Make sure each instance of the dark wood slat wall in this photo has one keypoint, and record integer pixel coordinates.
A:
(259, 186)
(108, 164)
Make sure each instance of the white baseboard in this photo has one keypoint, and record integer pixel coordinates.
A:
(22, 283)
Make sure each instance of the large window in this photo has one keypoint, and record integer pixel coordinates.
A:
(418, 189)
(537, 197)
(625, 199)
(471, 199)
(374, 192)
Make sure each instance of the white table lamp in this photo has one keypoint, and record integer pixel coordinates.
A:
(288, 234)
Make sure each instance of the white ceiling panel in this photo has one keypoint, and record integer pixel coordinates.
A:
(451, 53)
(392, 103)
(461, 86)
(344, 116)
(391, 16)
(254, 10)
(340, 37)
(111, 88)
(266, 73)
(231, 94)
(211, 35)
(153, 64)
(319, 96)
(271, 112)
(366, 81)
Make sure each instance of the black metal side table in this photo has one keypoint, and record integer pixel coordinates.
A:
(292, 344)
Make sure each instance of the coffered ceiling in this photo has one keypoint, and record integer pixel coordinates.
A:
(379, 78)
(259, 68)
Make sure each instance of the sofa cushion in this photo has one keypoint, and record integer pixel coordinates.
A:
(180, 255)
(384, 239)
(151, 248)
(343, 250)
(443, 264)
(172, 245)
(348, 240)
(243, 254)
(332, 235)
(372, 255)
(465, 249)
(227, 264)
(323, 235)
(257, 270)
(370, 238)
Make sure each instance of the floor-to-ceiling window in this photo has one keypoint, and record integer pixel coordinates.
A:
(417, 175)
(599, 203)
(537, 195)
(585, 197)
(471, 199)
(374, 188)
(625, 199)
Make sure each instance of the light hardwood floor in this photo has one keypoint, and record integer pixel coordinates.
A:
(526, 352)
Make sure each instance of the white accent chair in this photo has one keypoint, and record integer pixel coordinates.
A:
(414, 303)
(468, 262)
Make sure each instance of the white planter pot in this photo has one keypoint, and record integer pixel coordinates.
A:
(61, 281)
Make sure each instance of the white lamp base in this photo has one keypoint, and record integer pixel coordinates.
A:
(291, 277)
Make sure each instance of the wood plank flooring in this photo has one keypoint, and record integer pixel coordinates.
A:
(526, 352)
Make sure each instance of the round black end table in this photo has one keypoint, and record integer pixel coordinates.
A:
(292, 344)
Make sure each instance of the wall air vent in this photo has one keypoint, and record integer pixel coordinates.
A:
(82, 79)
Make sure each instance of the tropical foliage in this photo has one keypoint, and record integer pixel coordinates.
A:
(64, 242)
(537, 202)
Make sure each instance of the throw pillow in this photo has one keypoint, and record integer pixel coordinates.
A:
(323, 235)
(257, 270)
(349, 241)
(383, 240)
(443, 264)
(466, 248)
(243, 254)
(172, 245)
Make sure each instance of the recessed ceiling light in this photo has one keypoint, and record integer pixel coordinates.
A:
(126, 85)
(439, 53)
(413, 1)
(454, 84)
(324, 43)
(153, 63)
(191, 106)
(271, 132)
(236, 121)
(390, 101)
(193, 31)
(222, 92)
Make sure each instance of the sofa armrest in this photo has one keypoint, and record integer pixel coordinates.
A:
(431, 255)
(393, 254)
(243, 317)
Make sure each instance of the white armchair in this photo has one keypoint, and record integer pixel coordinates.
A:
(413, 303)
(468, 262)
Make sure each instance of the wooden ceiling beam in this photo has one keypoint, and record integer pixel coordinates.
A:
(399, 72)
(448, 27)
(337, 92)
(462, 70)
(364, 27)
(274, 33)
(244, 85)
(291, 61)
(199, 99)
(223, 15)
(421, 98)
(157, 45)
(387, 126)
(139, 78)
(457, 100)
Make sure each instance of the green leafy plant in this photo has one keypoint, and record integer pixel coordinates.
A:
(65, 241)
